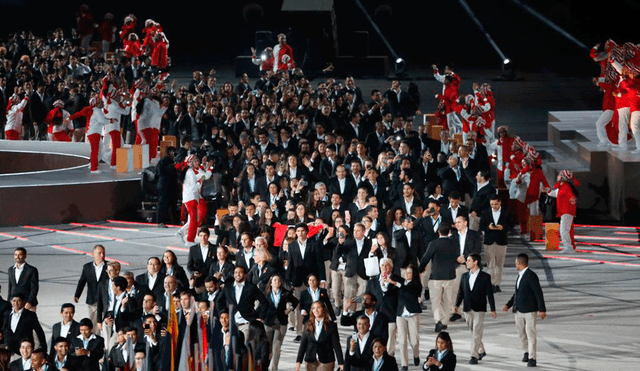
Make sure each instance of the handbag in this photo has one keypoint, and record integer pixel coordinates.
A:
(372, 266)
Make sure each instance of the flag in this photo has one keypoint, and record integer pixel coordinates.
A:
(172, 332)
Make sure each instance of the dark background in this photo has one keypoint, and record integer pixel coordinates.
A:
(422, 32)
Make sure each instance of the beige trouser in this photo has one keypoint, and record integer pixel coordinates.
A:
(526, 327)
(337, 287)
(355, 286)
(408, 329)
(295, 318)
(327, 274)
(494, 255)
(93, 316)
(460, 270)
(317, 366)
(275, 334)
(442, 300)
(475, 322)
(424, 280)
(391, 342)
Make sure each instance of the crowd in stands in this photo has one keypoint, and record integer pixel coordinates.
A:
(338, 206)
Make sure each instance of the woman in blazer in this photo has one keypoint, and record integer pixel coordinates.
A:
(312, 294)
(262, 270)
(442, 357)
(281, 303)
(170, 267)
(407, 318)
(381, 360)
(320, 344)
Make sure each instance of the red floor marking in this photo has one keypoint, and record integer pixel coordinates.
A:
(608, 253)
(140, 223)
(607, 238)
(75, 233)
(608, 245)
(105, 227)
(13, 236)
(589, 260)
(58, 247)
(178, 248)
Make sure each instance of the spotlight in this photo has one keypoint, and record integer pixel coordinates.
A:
(263, 56)
(400, 66)
(508, 73)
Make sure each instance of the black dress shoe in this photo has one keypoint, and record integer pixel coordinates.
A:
(426, 294)
(455, 317)
(526, 357)
(404, 368)
(481, 356)
(291, 328)
(497, 289)
(531, 363)
(439, 326)
(473, 361)
(297, 339)
(416, 361)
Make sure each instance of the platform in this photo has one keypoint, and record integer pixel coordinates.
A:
(609, 180)
(49, 182)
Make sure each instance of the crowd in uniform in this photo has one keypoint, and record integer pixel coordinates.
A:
(337, 212)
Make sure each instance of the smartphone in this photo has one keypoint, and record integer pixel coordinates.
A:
(357, 299)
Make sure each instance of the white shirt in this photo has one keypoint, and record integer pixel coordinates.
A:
(98, 270)
(64, 329)
(520, 274)
(26, 364)
(238, 291)
(204, 250)
(303, 247)
(318, 329)
(454, 212)
(362, 342)
(496, 215)
(359, 245)
(472, 278)
(15, 318)
(482, 185)
(18, 271)
(462, 237)
(248, 255)
(152, 280)
(315, 295)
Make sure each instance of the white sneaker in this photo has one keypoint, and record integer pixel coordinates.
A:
(113, 167)
(189, 244)
(604, 144)
(620, 148)
(636, 151)
(96, 172)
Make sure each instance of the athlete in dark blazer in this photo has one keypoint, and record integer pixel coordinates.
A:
(94, 347)
(28, 283)
(27, 325)
(88, 278)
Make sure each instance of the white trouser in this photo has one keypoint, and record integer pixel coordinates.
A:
(603, 120)
(623, 125)
(634, 123)
(566, 220)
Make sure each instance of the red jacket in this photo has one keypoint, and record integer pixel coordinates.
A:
(566, 200)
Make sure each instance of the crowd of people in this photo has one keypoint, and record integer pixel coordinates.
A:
(335, 211)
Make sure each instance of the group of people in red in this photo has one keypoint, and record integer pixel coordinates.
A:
(619, 68)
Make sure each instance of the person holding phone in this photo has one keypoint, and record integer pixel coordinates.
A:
(441, 358)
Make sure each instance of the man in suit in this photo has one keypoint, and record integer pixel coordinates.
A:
(342, 184)
(152, 280)
(124, 307)
(495, 223)
(92, 274)
(359, 346)
(527, 302)
(245, 254)
(24, 362)
(201, 256)
(305, 257)
(68, 328)
(88, 348)
(376, 141)
(453, 178)
(355, 250)
(409, 243)
(483, 190)
(475, 288)
(378, 322)
(242, 295)
(467, 242)
(24, 279)
(451, 212)
(444, 255)
(353, 129)
(60, 355)
(428, 168)
(20, 324)
(5, 307)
